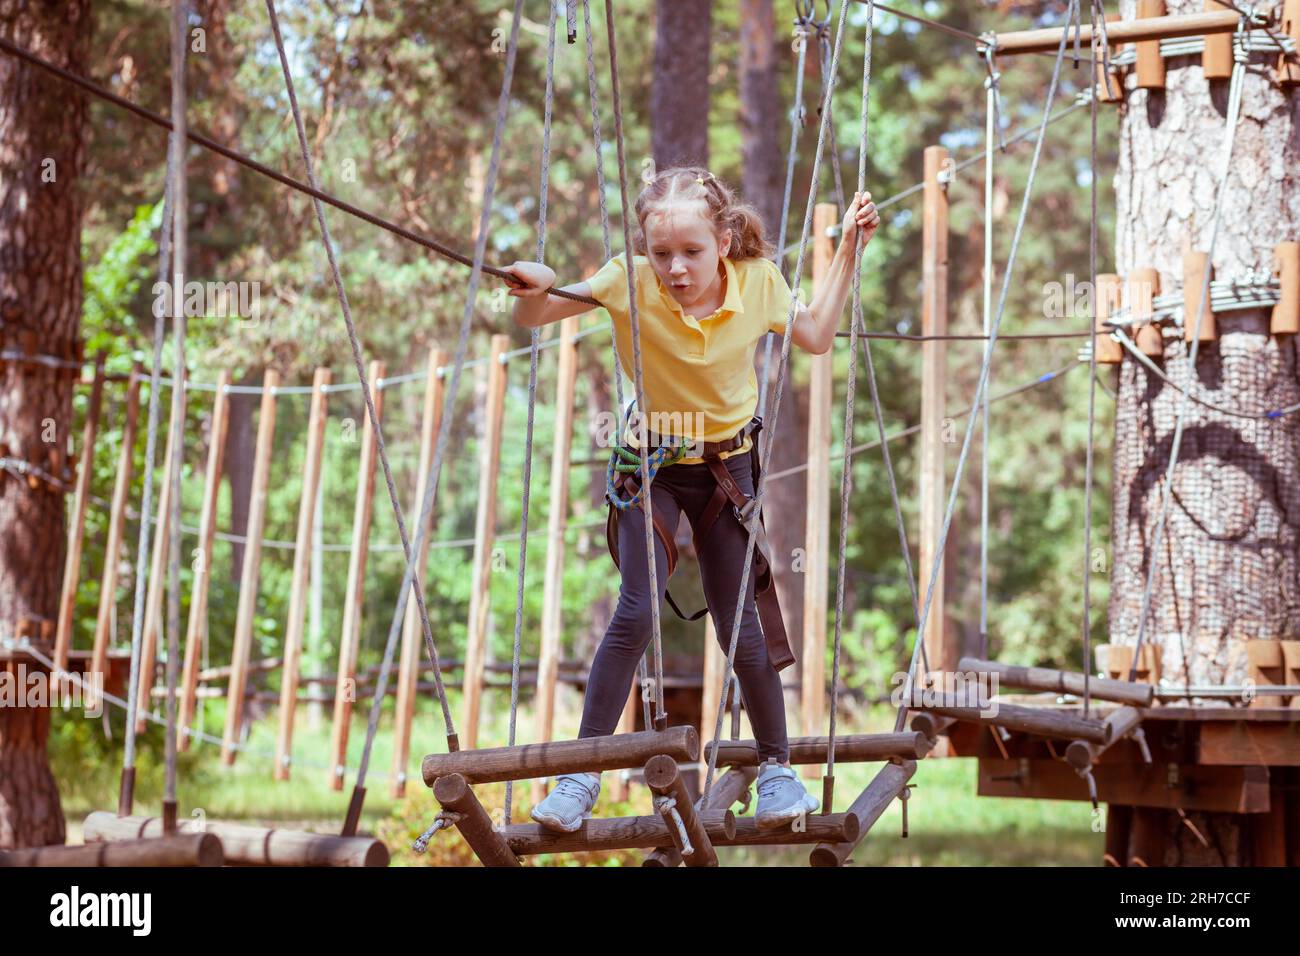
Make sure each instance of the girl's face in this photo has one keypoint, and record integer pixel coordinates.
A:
(684, 251)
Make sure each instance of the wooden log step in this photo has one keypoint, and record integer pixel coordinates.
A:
(1062, 682)
(588, 755)
(728, 789)
(1082, 754)
(932, 725)
(620, 833)
(813, 828)
(186, 849)
(884, 788)
(849, 748)
(455, 795)
(247, 845)
(664, 779)
(1030, 720)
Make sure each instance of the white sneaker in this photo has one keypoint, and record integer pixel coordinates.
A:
(569, 803)
(782, 798)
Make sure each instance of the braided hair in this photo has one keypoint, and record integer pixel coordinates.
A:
(722, 209)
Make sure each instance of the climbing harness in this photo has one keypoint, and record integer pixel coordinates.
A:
(624, 491)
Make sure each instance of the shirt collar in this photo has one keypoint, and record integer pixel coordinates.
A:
(731, 301)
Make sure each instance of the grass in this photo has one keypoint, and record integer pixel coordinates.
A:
(948, 824)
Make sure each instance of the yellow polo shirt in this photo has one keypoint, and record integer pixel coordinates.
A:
(698, 373)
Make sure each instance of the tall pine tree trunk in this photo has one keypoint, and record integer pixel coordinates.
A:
(679, 90)
(42, 150)
(1226, 570)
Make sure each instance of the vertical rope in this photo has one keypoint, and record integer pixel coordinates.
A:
(594, 97)
(728, 679)
(846, 469)
(660, 717)
(180, 222)
(990, 129)
(534, 339)
(444, 426)
(146, 500)
(984, 370)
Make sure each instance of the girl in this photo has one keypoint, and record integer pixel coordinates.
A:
(707, 292)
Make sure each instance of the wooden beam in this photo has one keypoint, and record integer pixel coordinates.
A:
(1247, 743)
(191, 849)
(1222, 789)
(196, 631)
(345, 682)
(1119, 821)
(455, 795)
(1147, 837)
(293, 630)
(586, 755)
(811, 828)
(1150, 65)
(1128, 31)
(413, 650)
(1108, 291)
(622, 833)
(1286, 313)
(1216, 58)
(485, 526)
(1061, 682)
(252, 846)
(1033, 720)
(934, 379)
(557, 519)
(77, 524)
(251, 570)
(885, 787)
(116, 524)
(817, 480)
(849, 748)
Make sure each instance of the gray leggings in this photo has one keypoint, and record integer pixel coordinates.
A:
(688, 488)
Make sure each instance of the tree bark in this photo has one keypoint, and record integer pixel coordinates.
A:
(1226, 569)
(679, 123)
(763, 185)
(42, 152)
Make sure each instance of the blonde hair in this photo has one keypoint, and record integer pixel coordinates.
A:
(724, 210)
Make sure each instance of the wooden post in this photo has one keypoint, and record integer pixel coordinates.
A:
(731, 787)
(311, 467)
(412, 627)
(77, 525)
(197, 626)
(1109, 352)
(1286, 314)
(934, 377)
(1119, 820)
(1288, 68)
(1216, 58)
(1194, 266)
(1143, 284)
(153, 607)
(251, 570)
(548, 658)
(454, 793)
(1109, 86)
(484, 536)
(1150, 64)
(1147, 837)
(664, 778)
(116, 524)
(346, 680)
(812, 660)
